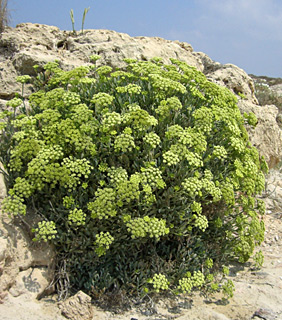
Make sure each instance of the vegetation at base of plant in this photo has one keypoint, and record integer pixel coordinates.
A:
(83, 20)
(145, 177)
(4, 15)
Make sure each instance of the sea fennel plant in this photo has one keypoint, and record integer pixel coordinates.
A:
(144, 177)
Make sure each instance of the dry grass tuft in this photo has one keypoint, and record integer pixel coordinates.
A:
(4, 14)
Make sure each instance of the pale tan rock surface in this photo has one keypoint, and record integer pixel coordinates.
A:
(267, 136)
(78, 307)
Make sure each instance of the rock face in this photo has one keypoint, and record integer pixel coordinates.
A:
(267, 135)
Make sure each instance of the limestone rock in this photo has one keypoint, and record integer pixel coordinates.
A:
(235, 79)
(20, 253)
(274, 191)
(31, 282)
(3, 189)
(267, 136)
(78, 307)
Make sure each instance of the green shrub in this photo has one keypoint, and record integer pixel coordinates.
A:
(145, 178)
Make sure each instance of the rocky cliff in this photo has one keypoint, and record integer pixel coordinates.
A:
(24, 267)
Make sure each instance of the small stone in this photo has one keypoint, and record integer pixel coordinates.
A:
(77, 307)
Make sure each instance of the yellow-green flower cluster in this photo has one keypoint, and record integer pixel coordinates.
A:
(104, 70)
(117, 175)
(87, 81)
(165, 85)
(129, 190)
(77, 168)
(68, 202)
(153, 177)
(170, 158)
(260, 183)
(14, 103)
(139, 118)
(130, 89)
(227, 190)
(194, 159)
(103, 242)
(159, 282)
(51, 66)
(77, 217)
(102, 99)
(81, 114)
(45, 231)
(71, 98)
(111, 120)
(14, 205)
(94, 57)
(251, 118)
(209, 263)
(143, 227)
(152, 139)
(51, 100)
(219, 152)
(258, 259)
(125, 141)
(192, 186)
(22, 188)
(204, 119)
(104, 205)
(27, 123)
(196, 207)
(23, 79)
(187, 283)
(24, 151)
(261, 206)
(71, 77)
(198, 279)
(167, 106)
(201, 221)
(210, 187)
(237, 144)
(44, 167)
(174, 131)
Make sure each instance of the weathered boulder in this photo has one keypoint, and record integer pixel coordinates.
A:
(77, 307)
(235, 79)
(267, 136)
(26, 267)
(19, 254)
(31, 282)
